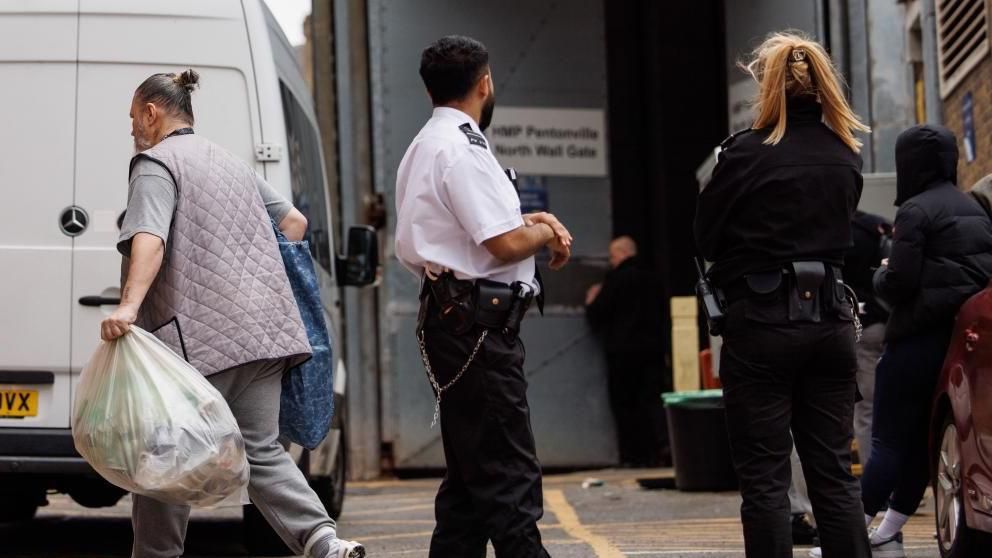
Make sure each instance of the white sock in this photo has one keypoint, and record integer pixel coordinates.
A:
(323, 543)
(869, 519)
(891, 524)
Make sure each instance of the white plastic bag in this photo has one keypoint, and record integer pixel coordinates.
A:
(151, 424)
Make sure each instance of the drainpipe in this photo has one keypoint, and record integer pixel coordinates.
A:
(931, 66)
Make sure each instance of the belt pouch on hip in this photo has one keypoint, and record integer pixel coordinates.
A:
(492, 303)
(804, 296)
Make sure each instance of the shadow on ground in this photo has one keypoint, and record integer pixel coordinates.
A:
(110, 537)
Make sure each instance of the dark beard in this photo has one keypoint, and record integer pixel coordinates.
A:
(486, 118)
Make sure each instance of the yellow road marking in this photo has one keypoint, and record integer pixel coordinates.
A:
(557, 504)
(375, 538)
(391, 510)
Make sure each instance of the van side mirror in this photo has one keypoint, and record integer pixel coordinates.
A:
(360, 263)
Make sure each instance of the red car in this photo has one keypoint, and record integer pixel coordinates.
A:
(961, 435)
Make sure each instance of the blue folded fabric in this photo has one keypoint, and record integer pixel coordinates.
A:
(307, 404)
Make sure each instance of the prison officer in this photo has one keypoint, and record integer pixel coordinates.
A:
(459, 229)
(775, 222)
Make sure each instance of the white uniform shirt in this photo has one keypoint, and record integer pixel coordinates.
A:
(451, 196)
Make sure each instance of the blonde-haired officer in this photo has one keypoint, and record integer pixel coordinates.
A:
(775, 222)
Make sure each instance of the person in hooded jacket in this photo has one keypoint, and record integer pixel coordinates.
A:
(941, 255)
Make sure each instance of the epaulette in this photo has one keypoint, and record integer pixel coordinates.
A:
(732, 137)
(474, 137)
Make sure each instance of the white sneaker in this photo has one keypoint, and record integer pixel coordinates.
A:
(887, 548)
(329, 546)
(350, 549)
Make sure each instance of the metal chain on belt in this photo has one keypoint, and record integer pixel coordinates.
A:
(438, 388)
(856, 311)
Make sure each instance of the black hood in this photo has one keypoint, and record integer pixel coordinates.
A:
(926, 156)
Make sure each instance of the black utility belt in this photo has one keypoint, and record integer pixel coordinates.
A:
(459, 305)
(811, 288)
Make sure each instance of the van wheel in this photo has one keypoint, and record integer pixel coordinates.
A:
(331, 489)
(954, 538)
(20, 503)
(95, 493)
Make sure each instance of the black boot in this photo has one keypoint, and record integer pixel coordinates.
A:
(803, 532)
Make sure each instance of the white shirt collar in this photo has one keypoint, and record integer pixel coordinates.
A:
(461, 117)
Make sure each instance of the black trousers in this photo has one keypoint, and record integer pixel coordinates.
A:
(635, 386)
(905, 380)
(793, 376)
(492, 488)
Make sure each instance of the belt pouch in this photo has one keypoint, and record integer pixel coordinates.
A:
(804, 296)
(764, 283)
(492, 303)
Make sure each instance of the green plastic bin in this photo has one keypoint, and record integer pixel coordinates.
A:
(697, 431)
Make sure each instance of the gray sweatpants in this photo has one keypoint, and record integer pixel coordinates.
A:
(869, 351)
(277, 485)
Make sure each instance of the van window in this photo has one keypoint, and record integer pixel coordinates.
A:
(309, 190)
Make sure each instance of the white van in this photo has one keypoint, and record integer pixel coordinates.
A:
(68, 69)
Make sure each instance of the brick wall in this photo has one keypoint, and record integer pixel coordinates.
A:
(979, 83)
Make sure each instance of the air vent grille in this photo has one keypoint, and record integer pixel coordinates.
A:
(962, 39)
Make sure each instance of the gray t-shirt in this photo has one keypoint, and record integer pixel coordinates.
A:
(151, 203)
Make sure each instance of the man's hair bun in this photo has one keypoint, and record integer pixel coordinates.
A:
(188, 80)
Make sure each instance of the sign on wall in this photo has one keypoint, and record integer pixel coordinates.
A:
(739, 98)
(550, 141)
(968, 119)
(533, 194)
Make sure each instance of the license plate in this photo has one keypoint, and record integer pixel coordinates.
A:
(18, 403)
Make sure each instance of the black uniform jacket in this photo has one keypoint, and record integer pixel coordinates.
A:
(768, 205)
(942, 243)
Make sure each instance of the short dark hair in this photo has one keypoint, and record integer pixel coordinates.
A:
(451, 66)
(172, 92)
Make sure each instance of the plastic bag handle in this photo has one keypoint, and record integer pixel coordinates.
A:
(179, 330)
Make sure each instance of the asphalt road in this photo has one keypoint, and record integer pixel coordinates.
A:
(395, 518)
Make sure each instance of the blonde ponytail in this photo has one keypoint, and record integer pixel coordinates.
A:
(791, 65)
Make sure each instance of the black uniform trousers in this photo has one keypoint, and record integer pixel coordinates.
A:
(780, 376)
(492, 488)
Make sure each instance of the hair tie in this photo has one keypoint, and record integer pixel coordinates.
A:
(797, 55)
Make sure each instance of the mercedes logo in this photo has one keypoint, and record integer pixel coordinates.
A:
(73, 221)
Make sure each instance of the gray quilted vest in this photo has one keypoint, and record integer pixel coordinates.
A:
(222, 278)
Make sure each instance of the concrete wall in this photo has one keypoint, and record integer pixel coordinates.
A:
(890, 81)
(543, 53)
(748, 22)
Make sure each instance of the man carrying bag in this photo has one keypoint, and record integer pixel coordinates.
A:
(200, 253)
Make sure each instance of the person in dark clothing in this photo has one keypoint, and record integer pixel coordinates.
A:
(775, 220)
(941, 256)
(628, 310)
(871, 235)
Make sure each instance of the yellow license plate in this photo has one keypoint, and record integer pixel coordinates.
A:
(18, 403)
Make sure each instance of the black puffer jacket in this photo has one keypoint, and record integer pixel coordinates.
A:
(942, 244)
